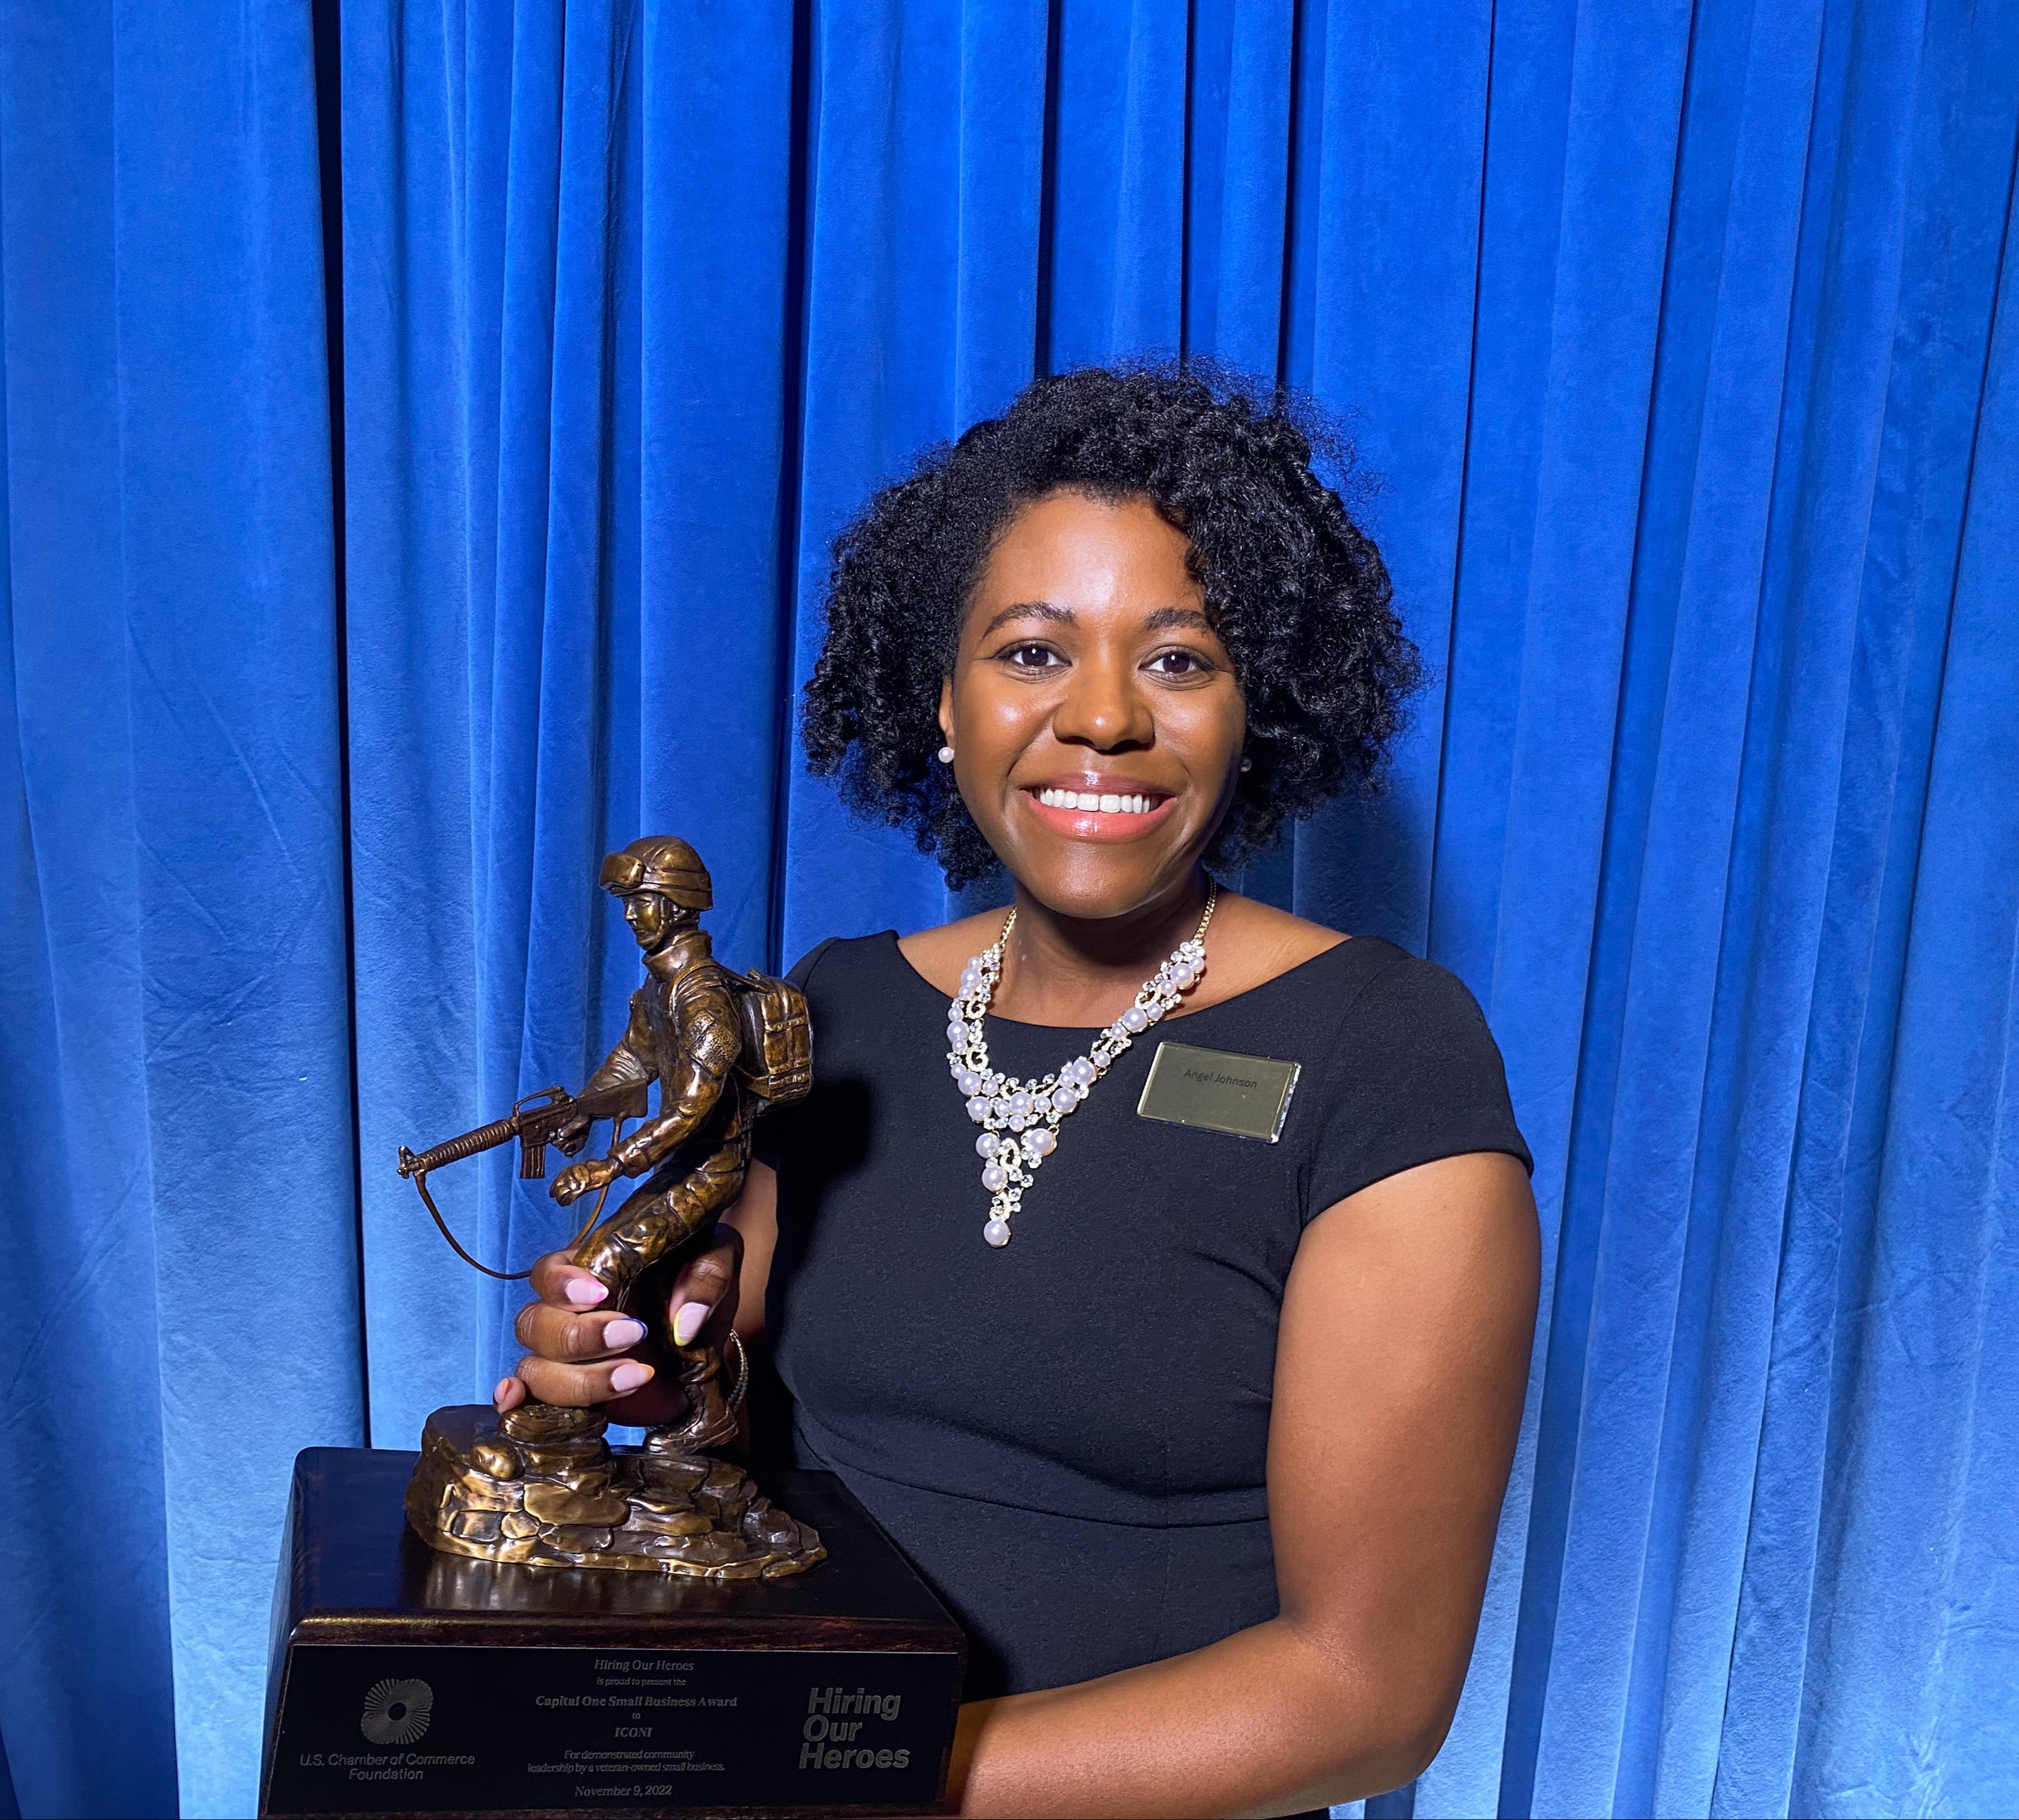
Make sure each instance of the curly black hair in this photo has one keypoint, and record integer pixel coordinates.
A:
(1296, 591)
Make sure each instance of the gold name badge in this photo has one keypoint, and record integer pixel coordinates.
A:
(1247, 1095)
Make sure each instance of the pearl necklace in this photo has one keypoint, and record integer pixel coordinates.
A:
(1020, 1119)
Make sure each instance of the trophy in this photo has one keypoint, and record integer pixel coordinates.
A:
(527, 1618)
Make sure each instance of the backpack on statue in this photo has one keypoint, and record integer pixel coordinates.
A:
(776, 1063)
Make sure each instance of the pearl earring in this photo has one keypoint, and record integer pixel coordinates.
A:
(946, 754)
(1248, 764)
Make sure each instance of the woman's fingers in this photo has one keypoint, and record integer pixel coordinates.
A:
(563, 1285)
(573, 1351)
(578, 1386)
(576, 1344)
(704, 1293)
(566, 1335)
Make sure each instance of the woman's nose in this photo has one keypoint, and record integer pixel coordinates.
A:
(1103, 708)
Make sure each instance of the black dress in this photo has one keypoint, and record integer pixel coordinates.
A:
(1067, 1436)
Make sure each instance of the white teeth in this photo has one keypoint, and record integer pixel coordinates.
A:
(1098, 802)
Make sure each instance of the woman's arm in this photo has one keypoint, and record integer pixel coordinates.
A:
(1401, 1365)
(754, 1219)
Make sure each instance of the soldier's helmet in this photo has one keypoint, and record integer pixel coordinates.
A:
(661, 863)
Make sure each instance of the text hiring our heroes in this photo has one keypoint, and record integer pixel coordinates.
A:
(832, 1732)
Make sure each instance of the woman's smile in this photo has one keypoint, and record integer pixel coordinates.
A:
(1091, 806)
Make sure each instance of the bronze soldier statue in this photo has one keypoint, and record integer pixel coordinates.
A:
(540, 1484)
(686, 1033)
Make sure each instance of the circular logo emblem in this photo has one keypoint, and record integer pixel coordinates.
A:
(397, 1712)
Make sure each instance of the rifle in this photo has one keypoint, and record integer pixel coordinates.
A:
(536, 1121)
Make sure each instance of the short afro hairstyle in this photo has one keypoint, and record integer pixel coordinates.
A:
(1296, 591)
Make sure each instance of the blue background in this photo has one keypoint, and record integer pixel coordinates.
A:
(1674, 332)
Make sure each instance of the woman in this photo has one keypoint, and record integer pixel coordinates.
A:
(1202, 1436)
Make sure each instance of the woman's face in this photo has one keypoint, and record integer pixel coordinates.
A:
(1087, 669)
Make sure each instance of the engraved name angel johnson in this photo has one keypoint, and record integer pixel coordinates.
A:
(1211, 1078)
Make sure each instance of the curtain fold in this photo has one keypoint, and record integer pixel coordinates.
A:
(1675, 342)
(183, 1313)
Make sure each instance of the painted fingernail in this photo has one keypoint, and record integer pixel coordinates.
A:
(629, 1376)
(586, 1292)
(687, 1322)
(621, 1333)
(499, 1395)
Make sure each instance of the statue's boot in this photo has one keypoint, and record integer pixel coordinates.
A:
(710, 1421)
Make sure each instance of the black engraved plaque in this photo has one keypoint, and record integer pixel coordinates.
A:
(405, 1681)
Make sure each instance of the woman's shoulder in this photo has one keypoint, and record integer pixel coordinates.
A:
(1398, 993)
(1410, 1073)
(933, 956)
(1257, 945)
(937, 955)
(842, 961)
(1376, 997)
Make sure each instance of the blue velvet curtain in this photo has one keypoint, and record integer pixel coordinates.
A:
(180, 1310)
(1673, 330)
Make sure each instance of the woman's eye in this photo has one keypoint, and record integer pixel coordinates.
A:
(1032, 656)
(1178, 664)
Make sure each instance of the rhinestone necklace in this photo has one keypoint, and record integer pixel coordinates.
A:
(1020, 1119)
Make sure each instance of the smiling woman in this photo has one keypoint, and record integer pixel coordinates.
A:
(1258, 556)
(1189, 1373)
(1088, 671)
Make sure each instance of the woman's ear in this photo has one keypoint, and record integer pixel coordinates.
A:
(946, 709)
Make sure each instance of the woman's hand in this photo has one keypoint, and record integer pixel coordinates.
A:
(580, 1351)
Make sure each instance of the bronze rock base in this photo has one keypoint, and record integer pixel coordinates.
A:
(540, 1485)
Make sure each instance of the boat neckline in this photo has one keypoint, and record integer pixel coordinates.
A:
(1345, 941)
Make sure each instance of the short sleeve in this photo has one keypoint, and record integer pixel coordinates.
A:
(773, 1134)
(1414, 1076)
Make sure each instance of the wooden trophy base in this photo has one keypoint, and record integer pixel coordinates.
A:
(404, 1681)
